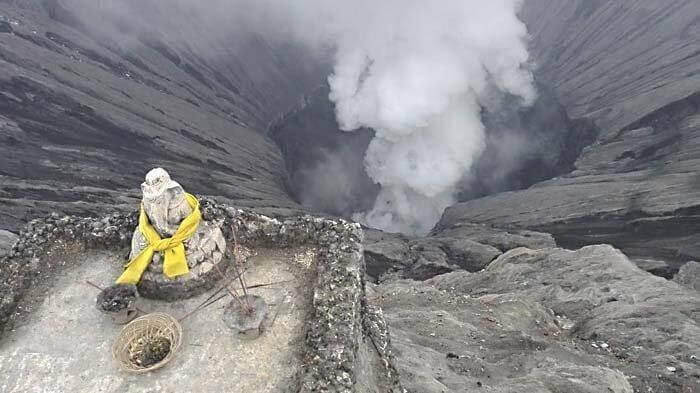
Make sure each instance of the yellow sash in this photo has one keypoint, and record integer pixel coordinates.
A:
(174, 251)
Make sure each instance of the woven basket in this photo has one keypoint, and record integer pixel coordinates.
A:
(149, 326)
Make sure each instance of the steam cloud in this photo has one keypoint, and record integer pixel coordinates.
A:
(418, 73)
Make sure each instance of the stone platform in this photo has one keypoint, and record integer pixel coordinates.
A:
(65, 346)
(338, 342)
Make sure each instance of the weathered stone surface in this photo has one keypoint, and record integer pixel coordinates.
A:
(467, 254)
(385, 252)
(246, 324)
(65, 332)
(7, 240)
(468, 247)
(31, 258)
(689, 275)
(448, 342)
(429, 260)
(546, 320)
(435, 256)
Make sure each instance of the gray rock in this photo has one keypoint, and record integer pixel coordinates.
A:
(689, 275)
(467, 254)
(429, 260)
(385, 252)
(445, 341)
(7, 240)
(246, 324)
(389, 255)
(546, 320)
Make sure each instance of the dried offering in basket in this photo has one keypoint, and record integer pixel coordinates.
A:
(147, 351)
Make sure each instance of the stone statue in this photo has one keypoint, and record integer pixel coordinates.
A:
(165, 205)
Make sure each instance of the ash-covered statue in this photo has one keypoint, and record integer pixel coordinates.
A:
(170, 219)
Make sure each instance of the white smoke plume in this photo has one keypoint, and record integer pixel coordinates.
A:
(417, 72)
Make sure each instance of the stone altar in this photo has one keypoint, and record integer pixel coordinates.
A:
(165, 205)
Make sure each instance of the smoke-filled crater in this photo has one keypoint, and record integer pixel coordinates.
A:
(329, 169)
(423, 107)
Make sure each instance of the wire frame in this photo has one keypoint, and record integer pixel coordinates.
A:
(148, 326)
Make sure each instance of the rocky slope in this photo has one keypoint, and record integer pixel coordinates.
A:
(632, 67)
(547, 320)
(83, 115)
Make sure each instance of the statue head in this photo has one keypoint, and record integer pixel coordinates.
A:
(157, 182)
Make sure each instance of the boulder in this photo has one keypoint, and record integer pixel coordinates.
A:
(689, 276)
(467, 254)
(7, 240)
(385, 252)
(428, 260)
(389, 254)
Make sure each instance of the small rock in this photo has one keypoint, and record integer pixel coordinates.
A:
(247, 325)
(689, 276)
(671, 369)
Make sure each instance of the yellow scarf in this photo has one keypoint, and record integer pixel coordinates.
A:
(174, 251)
